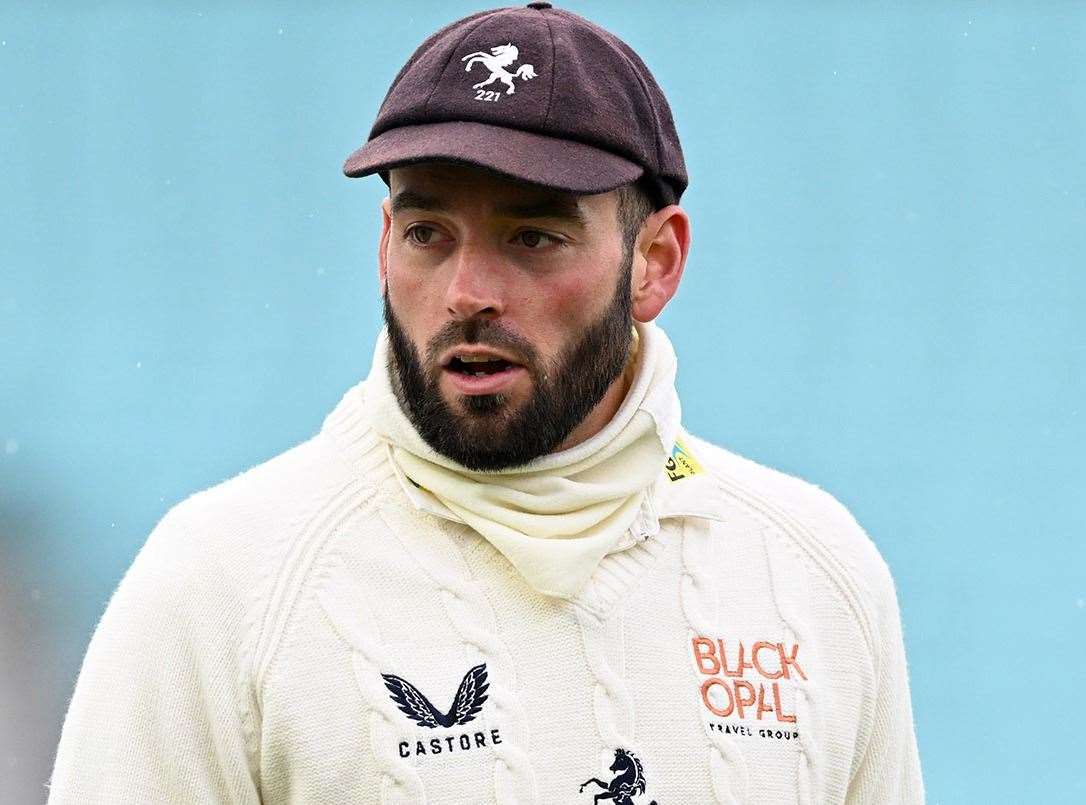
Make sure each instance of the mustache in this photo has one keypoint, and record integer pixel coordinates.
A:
(484, 332)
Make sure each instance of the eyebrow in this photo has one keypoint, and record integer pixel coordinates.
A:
(410, 200)
(563, 208)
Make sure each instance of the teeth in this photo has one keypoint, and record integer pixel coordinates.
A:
(475, 358)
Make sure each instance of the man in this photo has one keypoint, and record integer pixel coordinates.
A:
(503, 571)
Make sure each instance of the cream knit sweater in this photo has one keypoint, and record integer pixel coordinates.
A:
(316, 630)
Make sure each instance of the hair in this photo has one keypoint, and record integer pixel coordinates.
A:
(635, 204)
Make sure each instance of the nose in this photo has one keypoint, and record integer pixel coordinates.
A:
(474, 289)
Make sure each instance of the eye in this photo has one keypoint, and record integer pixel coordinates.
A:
(419, 234)
(533, 239)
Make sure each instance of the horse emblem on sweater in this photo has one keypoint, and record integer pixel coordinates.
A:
(469, 699)
(496, 61)
(629, 781)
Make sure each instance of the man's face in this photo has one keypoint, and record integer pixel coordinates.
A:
(508, 310)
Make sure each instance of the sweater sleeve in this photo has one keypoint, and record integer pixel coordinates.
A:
(889, 769)
(162, 711)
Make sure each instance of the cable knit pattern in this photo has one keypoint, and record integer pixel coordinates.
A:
(780, 518)
(353, 620)
(611, 701)
(806, 712)
(295, 567)
(473, 617)
(727, 765)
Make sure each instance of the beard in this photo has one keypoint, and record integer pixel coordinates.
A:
(493, 433)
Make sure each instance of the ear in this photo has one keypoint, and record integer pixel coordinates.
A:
(662, 247)
(382, 246)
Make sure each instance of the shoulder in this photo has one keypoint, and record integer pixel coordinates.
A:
(816, 525)
(246, 516)
(225, 564)
(239, 537)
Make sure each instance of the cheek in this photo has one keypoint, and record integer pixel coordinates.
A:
(570, 296)
(401, 281)
(556, 311)
(409, 295)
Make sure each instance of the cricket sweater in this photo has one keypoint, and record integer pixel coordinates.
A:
(322, 629)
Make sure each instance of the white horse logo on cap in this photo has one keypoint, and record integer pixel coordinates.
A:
(496, 61)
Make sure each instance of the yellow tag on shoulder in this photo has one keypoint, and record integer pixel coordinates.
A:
(681, 463)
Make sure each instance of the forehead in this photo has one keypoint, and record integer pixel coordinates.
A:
(448, 187)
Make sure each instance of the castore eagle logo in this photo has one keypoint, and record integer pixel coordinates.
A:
(469, 699)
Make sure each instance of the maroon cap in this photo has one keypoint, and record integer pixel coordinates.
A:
(538, 94)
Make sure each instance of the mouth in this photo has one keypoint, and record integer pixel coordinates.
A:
(481, 371)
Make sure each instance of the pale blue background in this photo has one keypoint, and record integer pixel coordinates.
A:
(885, 296)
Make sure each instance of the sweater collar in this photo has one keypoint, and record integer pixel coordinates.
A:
(684, 488)
(676, 493)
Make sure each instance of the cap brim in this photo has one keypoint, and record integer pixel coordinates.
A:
(535, 158)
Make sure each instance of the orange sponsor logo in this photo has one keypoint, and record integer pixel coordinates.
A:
(726, 690)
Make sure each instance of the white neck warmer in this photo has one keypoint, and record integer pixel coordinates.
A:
(556, 517)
